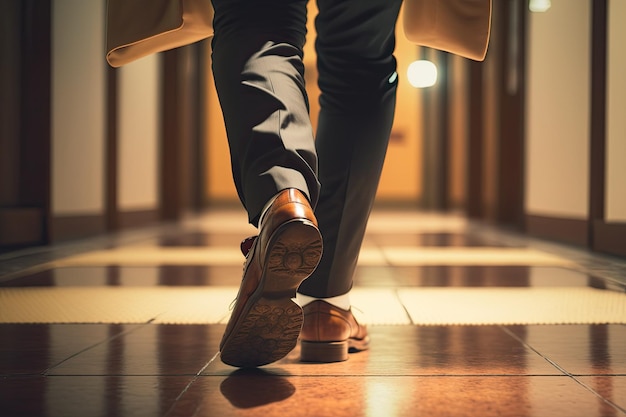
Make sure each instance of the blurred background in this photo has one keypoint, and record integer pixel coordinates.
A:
(533, 139)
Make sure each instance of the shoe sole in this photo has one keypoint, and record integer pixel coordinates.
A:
(269, 326)
(326, 352)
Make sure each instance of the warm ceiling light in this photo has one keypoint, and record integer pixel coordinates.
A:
(539, 5)
(422, 74)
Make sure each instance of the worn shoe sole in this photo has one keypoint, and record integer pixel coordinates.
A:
(269, 326)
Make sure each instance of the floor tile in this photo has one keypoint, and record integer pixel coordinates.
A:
(512, 306)
(265, 394)
(199, 238)
(149, 350)
(93, 396)
(131, 305)
(579, 349)
(611, 388)
(423, 351)
(370, 276)
(409, 255)
(434, 239)
(34, 348)
(478, 276)
(135, 276)
(171, 370)
(413, 221)
(148, 255)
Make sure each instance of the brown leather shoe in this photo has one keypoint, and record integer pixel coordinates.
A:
(265, 322)
(330, 333)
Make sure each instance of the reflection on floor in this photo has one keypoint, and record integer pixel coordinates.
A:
(102, 364)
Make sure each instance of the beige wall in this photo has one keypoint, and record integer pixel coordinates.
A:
(78, 107)
(218, 179)
(139, 134)
(79, 117)
(557, 130)
(616, 111)
(459, 122)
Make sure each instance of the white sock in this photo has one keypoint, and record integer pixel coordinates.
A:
(340, 301)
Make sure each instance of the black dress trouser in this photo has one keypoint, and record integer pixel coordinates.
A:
(259, 76)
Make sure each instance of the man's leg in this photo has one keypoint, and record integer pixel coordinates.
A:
(259, 76)
(258, 71)
(358, 79)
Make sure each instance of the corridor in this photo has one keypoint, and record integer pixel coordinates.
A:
(465, 320)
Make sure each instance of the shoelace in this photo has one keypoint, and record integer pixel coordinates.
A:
(246, 245)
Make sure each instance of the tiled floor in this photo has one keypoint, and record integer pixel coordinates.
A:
(144, 368)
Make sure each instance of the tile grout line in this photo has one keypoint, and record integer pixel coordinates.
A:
(46, 371)
(406, 311)
(561, 369)
(191, 382)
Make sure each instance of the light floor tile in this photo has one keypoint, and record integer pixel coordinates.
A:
(475, 306)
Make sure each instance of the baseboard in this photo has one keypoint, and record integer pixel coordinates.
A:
(564, 230)
(609, 238)
(82, 226)
(137, 218)
(64, 228)
(21, 226)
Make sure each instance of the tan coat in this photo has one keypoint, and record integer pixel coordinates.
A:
(143, 27)
(461, 27)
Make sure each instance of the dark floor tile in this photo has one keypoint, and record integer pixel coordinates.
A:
(199, 238)
(434, 239)
(366, 276)
(425, 351)
(579, 349)
(150, 350)
(215, 275)
(85, 276)
(162, 275)
(476, 276)
(90, 396)
(34, 348)
(611, 388)
(261, 393)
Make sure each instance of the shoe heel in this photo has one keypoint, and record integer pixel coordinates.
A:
(323, 351)
(294, 251)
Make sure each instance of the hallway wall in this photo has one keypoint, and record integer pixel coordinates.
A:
(78, 107)
(575, 130)
(616, 122)
(557, 162)
(139, 106)
(100, 124)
